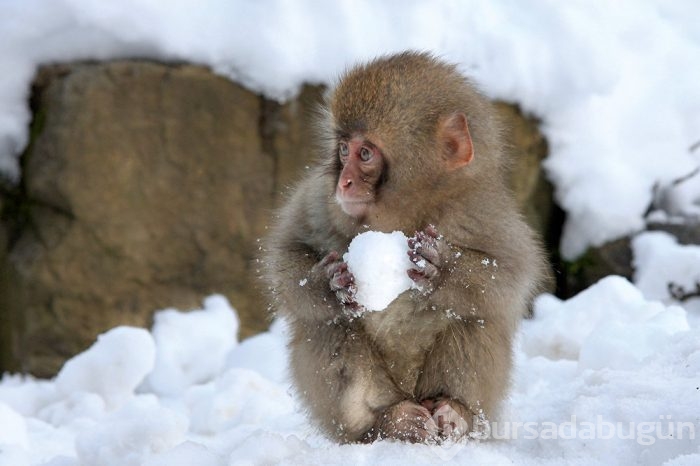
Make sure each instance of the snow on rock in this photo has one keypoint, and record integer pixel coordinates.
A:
(131, 434)
(379, 262)
(659, 261)
(112, 367)
(679, 199)
(191, 347)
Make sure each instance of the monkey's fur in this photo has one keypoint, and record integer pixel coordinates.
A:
(451, 345)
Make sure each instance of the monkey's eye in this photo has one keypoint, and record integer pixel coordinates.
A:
(343, 149)
(365, 154)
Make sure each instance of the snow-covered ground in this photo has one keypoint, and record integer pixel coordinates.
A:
(611, 376)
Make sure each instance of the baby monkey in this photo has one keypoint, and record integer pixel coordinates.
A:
(405, 143)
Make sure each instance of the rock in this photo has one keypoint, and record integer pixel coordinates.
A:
(615, 257)
(146, 186)
(287, 133)
(612, 258)
(687, 232)
(529, 148)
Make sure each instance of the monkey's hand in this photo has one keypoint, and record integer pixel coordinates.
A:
(427, 250)
(406, 421)
(450, 416)
(340, 280)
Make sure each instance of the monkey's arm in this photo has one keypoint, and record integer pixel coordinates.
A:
(297, 263)
(334, 365)
(469, 282)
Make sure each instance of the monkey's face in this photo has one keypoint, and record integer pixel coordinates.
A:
(362, 166)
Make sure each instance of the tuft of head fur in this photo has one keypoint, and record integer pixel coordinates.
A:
(403, 97)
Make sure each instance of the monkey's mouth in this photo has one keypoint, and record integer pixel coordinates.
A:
(353, 208)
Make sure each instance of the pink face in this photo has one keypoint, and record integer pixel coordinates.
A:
(362, 165)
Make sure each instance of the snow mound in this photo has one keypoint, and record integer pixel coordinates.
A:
(137, 430)
(112, 367)
(606, 377)
(192, 346)
(609, 325)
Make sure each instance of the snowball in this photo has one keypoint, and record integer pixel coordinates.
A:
(132, 434)
(192, 346)
(112, 367)
(379, 262)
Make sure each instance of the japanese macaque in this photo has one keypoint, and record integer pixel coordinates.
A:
(406, 143)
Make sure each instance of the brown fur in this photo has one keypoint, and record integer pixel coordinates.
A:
(455, 343)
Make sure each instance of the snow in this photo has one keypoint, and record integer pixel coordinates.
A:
(135, 431)
(379, 262)
(614, 83)
(113, 366)
(192, 346)
(660, 260)
(619, 328)
(609, 376)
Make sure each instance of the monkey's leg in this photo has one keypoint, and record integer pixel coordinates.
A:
(341, 379)
(468, 371)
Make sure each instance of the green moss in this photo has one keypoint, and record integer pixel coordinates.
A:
(580, 265)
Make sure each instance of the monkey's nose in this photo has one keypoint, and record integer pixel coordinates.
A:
(346, 183)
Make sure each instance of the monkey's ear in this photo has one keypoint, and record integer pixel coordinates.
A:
(453, 133)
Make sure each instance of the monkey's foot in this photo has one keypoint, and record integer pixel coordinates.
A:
(450, 416)
(406, 421)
